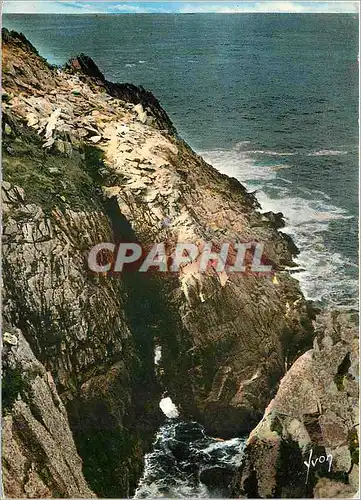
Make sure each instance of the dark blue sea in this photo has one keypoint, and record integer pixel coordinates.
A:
(271, 99)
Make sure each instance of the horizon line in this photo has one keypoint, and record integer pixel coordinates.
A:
(105, 7)
(172, 13)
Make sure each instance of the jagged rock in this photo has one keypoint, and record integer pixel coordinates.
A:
(315, 411)
(39, 457)
(9, 338)
(277, 219)
(124, 91)
(86, 65)
(50, 126)
(88, 333)
(326, 488)
(142, 115)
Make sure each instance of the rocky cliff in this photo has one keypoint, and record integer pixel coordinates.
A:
(315, 415)
(75, 323)
(39, 455)
(87, 161)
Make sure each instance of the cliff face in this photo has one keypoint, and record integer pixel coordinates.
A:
(315, 414)
(74, 322)
(39, 456)
(87, 161)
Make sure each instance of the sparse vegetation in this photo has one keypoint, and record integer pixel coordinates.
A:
(353, 445)
(50, 180)
(12, 385)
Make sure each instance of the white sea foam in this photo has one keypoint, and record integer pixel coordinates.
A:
(269, 153)
(225, 450)
(327, 152)
(324, 275)
(168, 408)
(287, 181)
(238, 164)
(157, 354)
(166, 474)
(322, 152)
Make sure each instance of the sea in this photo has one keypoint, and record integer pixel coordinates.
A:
(271, 99)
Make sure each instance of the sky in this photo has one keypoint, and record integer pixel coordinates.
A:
(125, 6)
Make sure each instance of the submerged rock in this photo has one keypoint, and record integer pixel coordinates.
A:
(217, 479)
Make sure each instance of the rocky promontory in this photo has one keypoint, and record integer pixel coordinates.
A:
(87, 161)
(307, 443)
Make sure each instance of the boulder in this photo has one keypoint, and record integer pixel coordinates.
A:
(314, 416)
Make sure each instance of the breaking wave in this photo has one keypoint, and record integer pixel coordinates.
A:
(186, 463)
(325, 275)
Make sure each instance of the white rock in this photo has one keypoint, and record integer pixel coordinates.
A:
(48, 143)
(52, 123)
(95, 138)
(142, 115)
(9, 338)
(32, 119)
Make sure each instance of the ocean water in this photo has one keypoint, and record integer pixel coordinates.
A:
(181, 455)
(271, 99)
